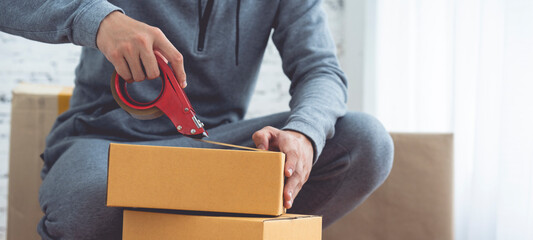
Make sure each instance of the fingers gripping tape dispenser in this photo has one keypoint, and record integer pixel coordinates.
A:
(171, 101)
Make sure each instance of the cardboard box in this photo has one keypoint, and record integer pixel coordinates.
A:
(211, 180)
(161, 226)
(34, 110)
(415, 202)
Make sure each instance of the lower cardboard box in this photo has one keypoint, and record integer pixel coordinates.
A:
(162, 226)
(195, 179)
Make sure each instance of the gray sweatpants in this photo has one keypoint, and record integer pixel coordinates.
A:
(352, 165)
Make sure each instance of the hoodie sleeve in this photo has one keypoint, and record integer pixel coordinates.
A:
(55, 21)
(318, 85)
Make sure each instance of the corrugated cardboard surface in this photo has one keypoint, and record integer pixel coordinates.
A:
(34, 110)
(195, 179)
(415, 202)
(161, 226)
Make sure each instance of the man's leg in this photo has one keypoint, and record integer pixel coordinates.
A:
(72, 195)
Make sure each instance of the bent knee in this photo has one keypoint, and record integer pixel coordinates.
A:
(370, 145)
(74, 207)
(79, 222)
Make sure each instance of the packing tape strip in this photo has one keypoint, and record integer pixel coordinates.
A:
(229, 145)
(63, 99)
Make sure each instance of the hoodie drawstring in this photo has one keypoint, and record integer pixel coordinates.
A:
(237, 33)
(203, 21)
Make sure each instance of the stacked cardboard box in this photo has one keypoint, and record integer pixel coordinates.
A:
(246, 184)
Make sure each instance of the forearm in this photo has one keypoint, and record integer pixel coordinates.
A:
(318, 87)
(58, 21)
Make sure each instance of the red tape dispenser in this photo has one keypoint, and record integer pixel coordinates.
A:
(171, 101)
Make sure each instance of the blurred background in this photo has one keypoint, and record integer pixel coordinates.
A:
(461, 66)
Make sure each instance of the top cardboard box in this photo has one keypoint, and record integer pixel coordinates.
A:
(212, 180)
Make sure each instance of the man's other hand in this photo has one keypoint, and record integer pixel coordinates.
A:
(299, 157)
(128, 43)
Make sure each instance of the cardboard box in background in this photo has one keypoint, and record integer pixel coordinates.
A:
(161, 226)
(34, 110)
(196, 179)
(415, 202)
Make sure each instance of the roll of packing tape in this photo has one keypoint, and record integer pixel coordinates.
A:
(141, 114)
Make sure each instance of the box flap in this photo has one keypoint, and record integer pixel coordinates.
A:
(285, 217)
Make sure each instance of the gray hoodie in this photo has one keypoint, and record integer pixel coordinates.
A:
(222, 58)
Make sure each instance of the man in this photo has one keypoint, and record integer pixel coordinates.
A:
(215, 49)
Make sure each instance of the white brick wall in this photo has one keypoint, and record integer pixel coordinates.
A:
(22, 60)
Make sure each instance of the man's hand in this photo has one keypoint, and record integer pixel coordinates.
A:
(127, 43)
(299, 157)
